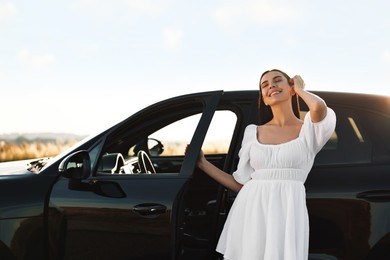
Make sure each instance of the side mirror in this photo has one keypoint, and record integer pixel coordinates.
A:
(76, 166)
(155, 147)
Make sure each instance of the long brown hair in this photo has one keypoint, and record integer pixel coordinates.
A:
(265, 112)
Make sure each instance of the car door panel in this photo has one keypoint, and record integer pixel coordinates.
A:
(99, 227)
(139, 223)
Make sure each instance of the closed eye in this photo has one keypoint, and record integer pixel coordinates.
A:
(277, 79)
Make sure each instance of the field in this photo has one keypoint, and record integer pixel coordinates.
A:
(11, 151)
(21, 150)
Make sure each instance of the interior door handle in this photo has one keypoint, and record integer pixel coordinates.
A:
(150, 209)
(375, 195)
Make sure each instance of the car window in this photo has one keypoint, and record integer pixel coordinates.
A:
(142, 153)
(220, 133)
(377, 125)
(164, 148)
(356, 130)
(177, 135)
(348, 144)
(174, 137)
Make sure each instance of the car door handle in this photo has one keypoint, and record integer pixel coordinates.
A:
(150, 209)
(375, 195)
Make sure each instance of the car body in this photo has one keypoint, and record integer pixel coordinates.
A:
(131, 193)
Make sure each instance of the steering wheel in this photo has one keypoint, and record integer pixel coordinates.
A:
(144, 163)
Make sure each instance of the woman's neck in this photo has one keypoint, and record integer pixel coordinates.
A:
(283, 115)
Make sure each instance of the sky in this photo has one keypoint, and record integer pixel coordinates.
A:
(80, 66)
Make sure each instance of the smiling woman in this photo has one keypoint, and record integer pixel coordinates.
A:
(268, 219)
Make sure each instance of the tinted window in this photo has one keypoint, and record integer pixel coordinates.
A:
(377, 126)
(169, 140)
(177, 135)
(135, 144)
(165, 144)
(174, 137)
(348, 144)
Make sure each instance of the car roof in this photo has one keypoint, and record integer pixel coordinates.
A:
(368, 102)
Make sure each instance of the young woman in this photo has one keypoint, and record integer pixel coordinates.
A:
(269, 219)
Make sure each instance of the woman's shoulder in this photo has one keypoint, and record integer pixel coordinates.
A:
(318, 133)
(250, 133)
(250, 128)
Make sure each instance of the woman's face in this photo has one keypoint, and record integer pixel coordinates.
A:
(275, 88)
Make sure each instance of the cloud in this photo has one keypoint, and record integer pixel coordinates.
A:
(7, 11)
(242, 13)
(35, 60)
(172, 38)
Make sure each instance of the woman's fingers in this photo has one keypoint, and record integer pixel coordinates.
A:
(298, 82)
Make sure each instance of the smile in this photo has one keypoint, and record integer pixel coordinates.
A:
(274, 93)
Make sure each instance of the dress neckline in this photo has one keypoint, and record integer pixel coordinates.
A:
(290, 141)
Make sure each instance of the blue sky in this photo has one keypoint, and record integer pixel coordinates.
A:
(79, 66)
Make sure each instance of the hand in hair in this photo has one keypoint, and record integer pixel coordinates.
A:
(298, 83)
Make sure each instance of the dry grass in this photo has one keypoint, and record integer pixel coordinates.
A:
(32, 150)
(12, 151)
(178, 148)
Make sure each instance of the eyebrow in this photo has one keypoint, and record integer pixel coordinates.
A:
(266, 81)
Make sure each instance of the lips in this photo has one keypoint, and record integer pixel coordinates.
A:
(273, 93)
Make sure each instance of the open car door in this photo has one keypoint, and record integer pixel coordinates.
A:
(129, 207)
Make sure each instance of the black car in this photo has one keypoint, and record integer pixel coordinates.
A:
(130, 193)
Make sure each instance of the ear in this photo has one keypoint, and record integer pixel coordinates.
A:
(292, 91)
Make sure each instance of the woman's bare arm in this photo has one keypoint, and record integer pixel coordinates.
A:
(218, 175)
(317, 105)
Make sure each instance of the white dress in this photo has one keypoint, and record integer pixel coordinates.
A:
(268, 219)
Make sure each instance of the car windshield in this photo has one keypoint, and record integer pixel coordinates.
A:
(49, 161)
